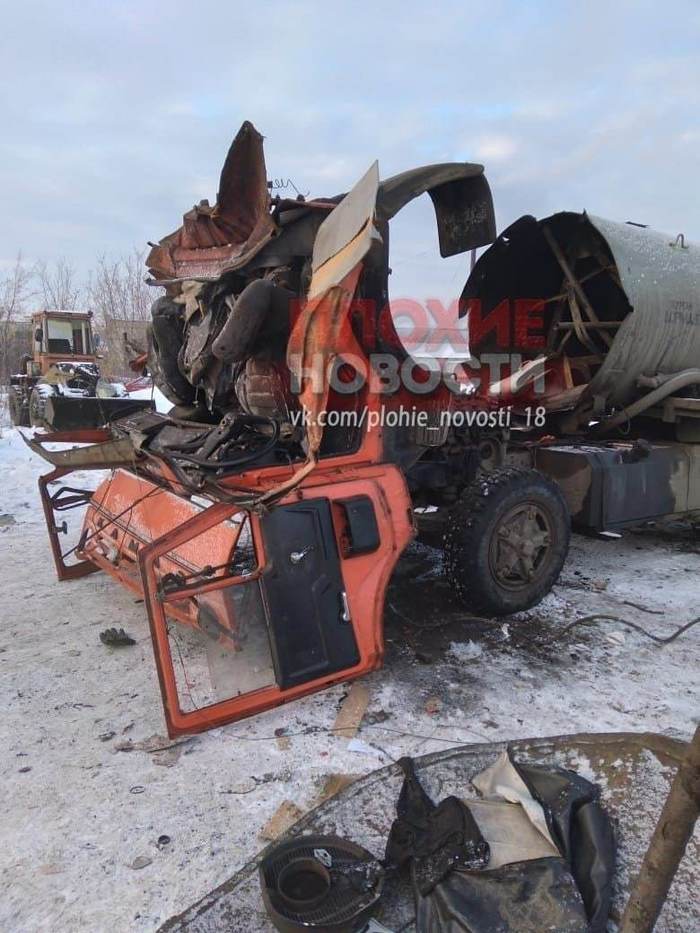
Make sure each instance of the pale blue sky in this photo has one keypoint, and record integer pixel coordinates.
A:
(116, 116)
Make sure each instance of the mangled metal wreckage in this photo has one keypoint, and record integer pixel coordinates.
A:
(274, 537)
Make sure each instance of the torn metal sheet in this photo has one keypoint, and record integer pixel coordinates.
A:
(345, 235)
(611, 303)
(97, 456)
(213, 240)
(321, 334)
(323, 330)
(349, 219)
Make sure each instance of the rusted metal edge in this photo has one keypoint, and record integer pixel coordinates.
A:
(99, 456)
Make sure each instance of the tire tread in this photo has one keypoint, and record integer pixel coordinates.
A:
(464, 531)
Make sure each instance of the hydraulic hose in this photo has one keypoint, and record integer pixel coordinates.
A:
(678, 381)
(246, 457)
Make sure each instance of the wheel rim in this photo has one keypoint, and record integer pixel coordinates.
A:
(521, 545)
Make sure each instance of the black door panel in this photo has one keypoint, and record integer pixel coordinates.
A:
(303, 590)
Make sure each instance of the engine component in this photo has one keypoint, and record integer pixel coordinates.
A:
(321, 883)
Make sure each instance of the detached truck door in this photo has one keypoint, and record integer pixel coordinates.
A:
(307, 610)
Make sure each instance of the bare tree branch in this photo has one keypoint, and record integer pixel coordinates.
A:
(15, 290)
(58, 287)
(118, 290)
(15, 294)
(122, 301)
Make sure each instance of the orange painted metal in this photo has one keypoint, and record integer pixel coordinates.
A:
(142, 525)
(321, 333)
(49, 500)
(164, 533)
(64, 571)
(128, 512)
(177, 549)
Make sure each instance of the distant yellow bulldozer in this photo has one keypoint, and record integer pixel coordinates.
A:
(61, 386)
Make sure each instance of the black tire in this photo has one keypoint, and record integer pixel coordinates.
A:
(37, 409)
(506, 541)
(165, 337)
(18, 413)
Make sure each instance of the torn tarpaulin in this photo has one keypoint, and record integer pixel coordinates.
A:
(565, 861)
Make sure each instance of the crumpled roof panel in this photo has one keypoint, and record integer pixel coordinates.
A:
(214, 240)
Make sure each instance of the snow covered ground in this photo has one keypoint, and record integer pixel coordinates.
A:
(103, 828)
(153, 392)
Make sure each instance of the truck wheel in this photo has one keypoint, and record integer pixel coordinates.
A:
(18, 414)
(506, 541)
(37, 409)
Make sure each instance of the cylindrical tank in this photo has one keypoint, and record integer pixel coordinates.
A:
(648, 281)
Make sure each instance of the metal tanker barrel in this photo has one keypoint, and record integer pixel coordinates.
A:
(620, 306)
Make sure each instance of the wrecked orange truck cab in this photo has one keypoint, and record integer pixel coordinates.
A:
(273, 544)
(261, 518)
